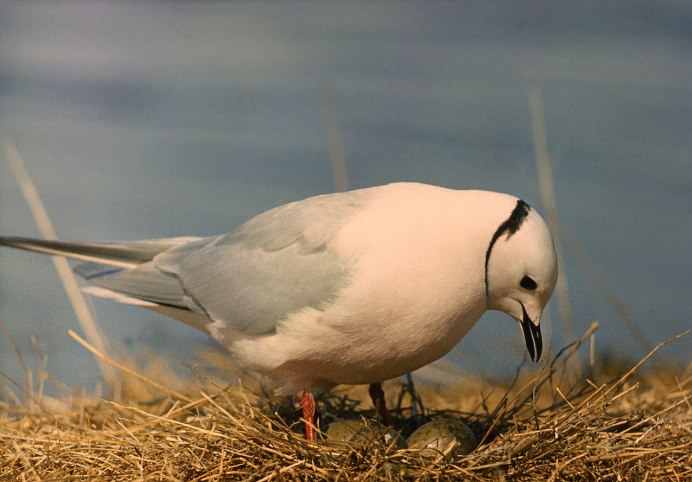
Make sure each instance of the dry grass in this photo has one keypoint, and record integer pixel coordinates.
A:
(634, 426)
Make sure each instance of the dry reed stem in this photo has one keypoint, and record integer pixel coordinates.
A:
(336, 150)
(67, 278)
(560, 233)
(549, 201)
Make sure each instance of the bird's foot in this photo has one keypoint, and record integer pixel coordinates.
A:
(307, 404)
(377, 396)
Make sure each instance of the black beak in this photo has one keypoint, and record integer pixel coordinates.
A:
(532, 337)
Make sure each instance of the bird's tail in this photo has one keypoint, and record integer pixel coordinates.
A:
(124, 273)
(121, 255)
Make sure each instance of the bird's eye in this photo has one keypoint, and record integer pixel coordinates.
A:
(528, 283)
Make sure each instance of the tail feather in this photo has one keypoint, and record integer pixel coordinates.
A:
(121, 255)
(124, 272)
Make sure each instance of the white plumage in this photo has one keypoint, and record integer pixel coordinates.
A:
(354, 287)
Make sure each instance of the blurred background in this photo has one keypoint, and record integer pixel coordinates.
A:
(155, 119)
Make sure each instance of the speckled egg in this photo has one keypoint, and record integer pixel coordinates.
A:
(435, 437)
(359, 432)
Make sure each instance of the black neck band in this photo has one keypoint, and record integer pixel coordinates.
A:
(510, 226)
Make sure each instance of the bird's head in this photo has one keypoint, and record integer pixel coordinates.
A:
(521, 272)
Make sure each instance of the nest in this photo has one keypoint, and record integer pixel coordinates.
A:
(553, 426)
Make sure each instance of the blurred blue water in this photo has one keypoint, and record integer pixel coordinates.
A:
(157, 119)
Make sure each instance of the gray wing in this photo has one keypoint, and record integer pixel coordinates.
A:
(275, 264)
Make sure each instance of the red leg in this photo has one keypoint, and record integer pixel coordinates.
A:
(307, 404)
(377, 396)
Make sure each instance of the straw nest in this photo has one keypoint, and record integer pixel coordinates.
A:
(552, 426)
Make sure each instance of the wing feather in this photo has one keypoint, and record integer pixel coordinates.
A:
(275, 264)
(146, 282)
